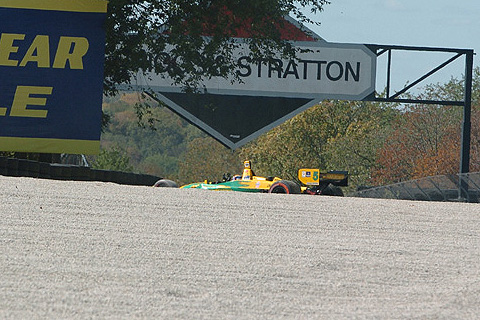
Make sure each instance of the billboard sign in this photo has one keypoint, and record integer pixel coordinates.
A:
(271, 91)
(324, 71)
(51, 75)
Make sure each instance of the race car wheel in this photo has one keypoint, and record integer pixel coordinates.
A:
(285, 186)
(165, 183)
(332, 190)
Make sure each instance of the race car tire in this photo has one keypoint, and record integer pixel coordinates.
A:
(165, 183)
(332, 190)
(285, 186)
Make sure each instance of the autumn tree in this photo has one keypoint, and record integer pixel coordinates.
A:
(414, 143)
(426, 140)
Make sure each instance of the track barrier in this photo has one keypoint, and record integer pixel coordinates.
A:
(35, 169)
(452, 187)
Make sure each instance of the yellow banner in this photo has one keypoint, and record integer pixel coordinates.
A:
(42, 145)
(58, 5)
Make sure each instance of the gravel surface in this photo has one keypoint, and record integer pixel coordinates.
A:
(100, 250)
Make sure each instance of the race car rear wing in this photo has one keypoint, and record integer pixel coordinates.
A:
(315, 177)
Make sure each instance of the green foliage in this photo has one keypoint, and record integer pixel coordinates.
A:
(155, 152)
(208, 159)
(174, 149)
(140, 32)
(113, 159)
(334, 135)
(161, 165)
(364, 130)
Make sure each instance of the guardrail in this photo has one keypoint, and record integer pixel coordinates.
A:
(452, 187)
(29, 168)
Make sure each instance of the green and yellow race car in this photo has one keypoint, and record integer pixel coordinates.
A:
(314, 181)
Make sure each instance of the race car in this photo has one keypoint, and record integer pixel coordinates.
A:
(314, 182)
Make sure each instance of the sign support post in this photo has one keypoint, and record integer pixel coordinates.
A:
(466, 127)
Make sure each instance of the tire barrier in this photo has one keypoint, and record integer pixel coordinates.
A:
(34, 169)
(452, 187)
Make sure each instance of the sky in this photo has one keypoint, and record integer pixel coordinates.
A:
(426, 23)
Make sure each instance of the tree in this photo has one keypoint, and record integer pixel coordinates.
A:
(139, 31)
(207, 159)
(334, 135)
(355, 147)
(425, 141)
(415, 142)
(155, 152)
(113, 159)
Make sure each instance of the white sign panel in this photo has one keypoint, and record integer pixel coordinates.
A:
(269, 92)
(325, 71)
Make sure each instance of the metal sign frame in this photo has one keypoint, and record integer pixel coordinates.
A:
(466, 103)
(377, 50)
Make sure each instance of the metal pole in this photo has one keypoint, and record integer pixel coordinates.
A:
(389, 68)
(466, 127)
